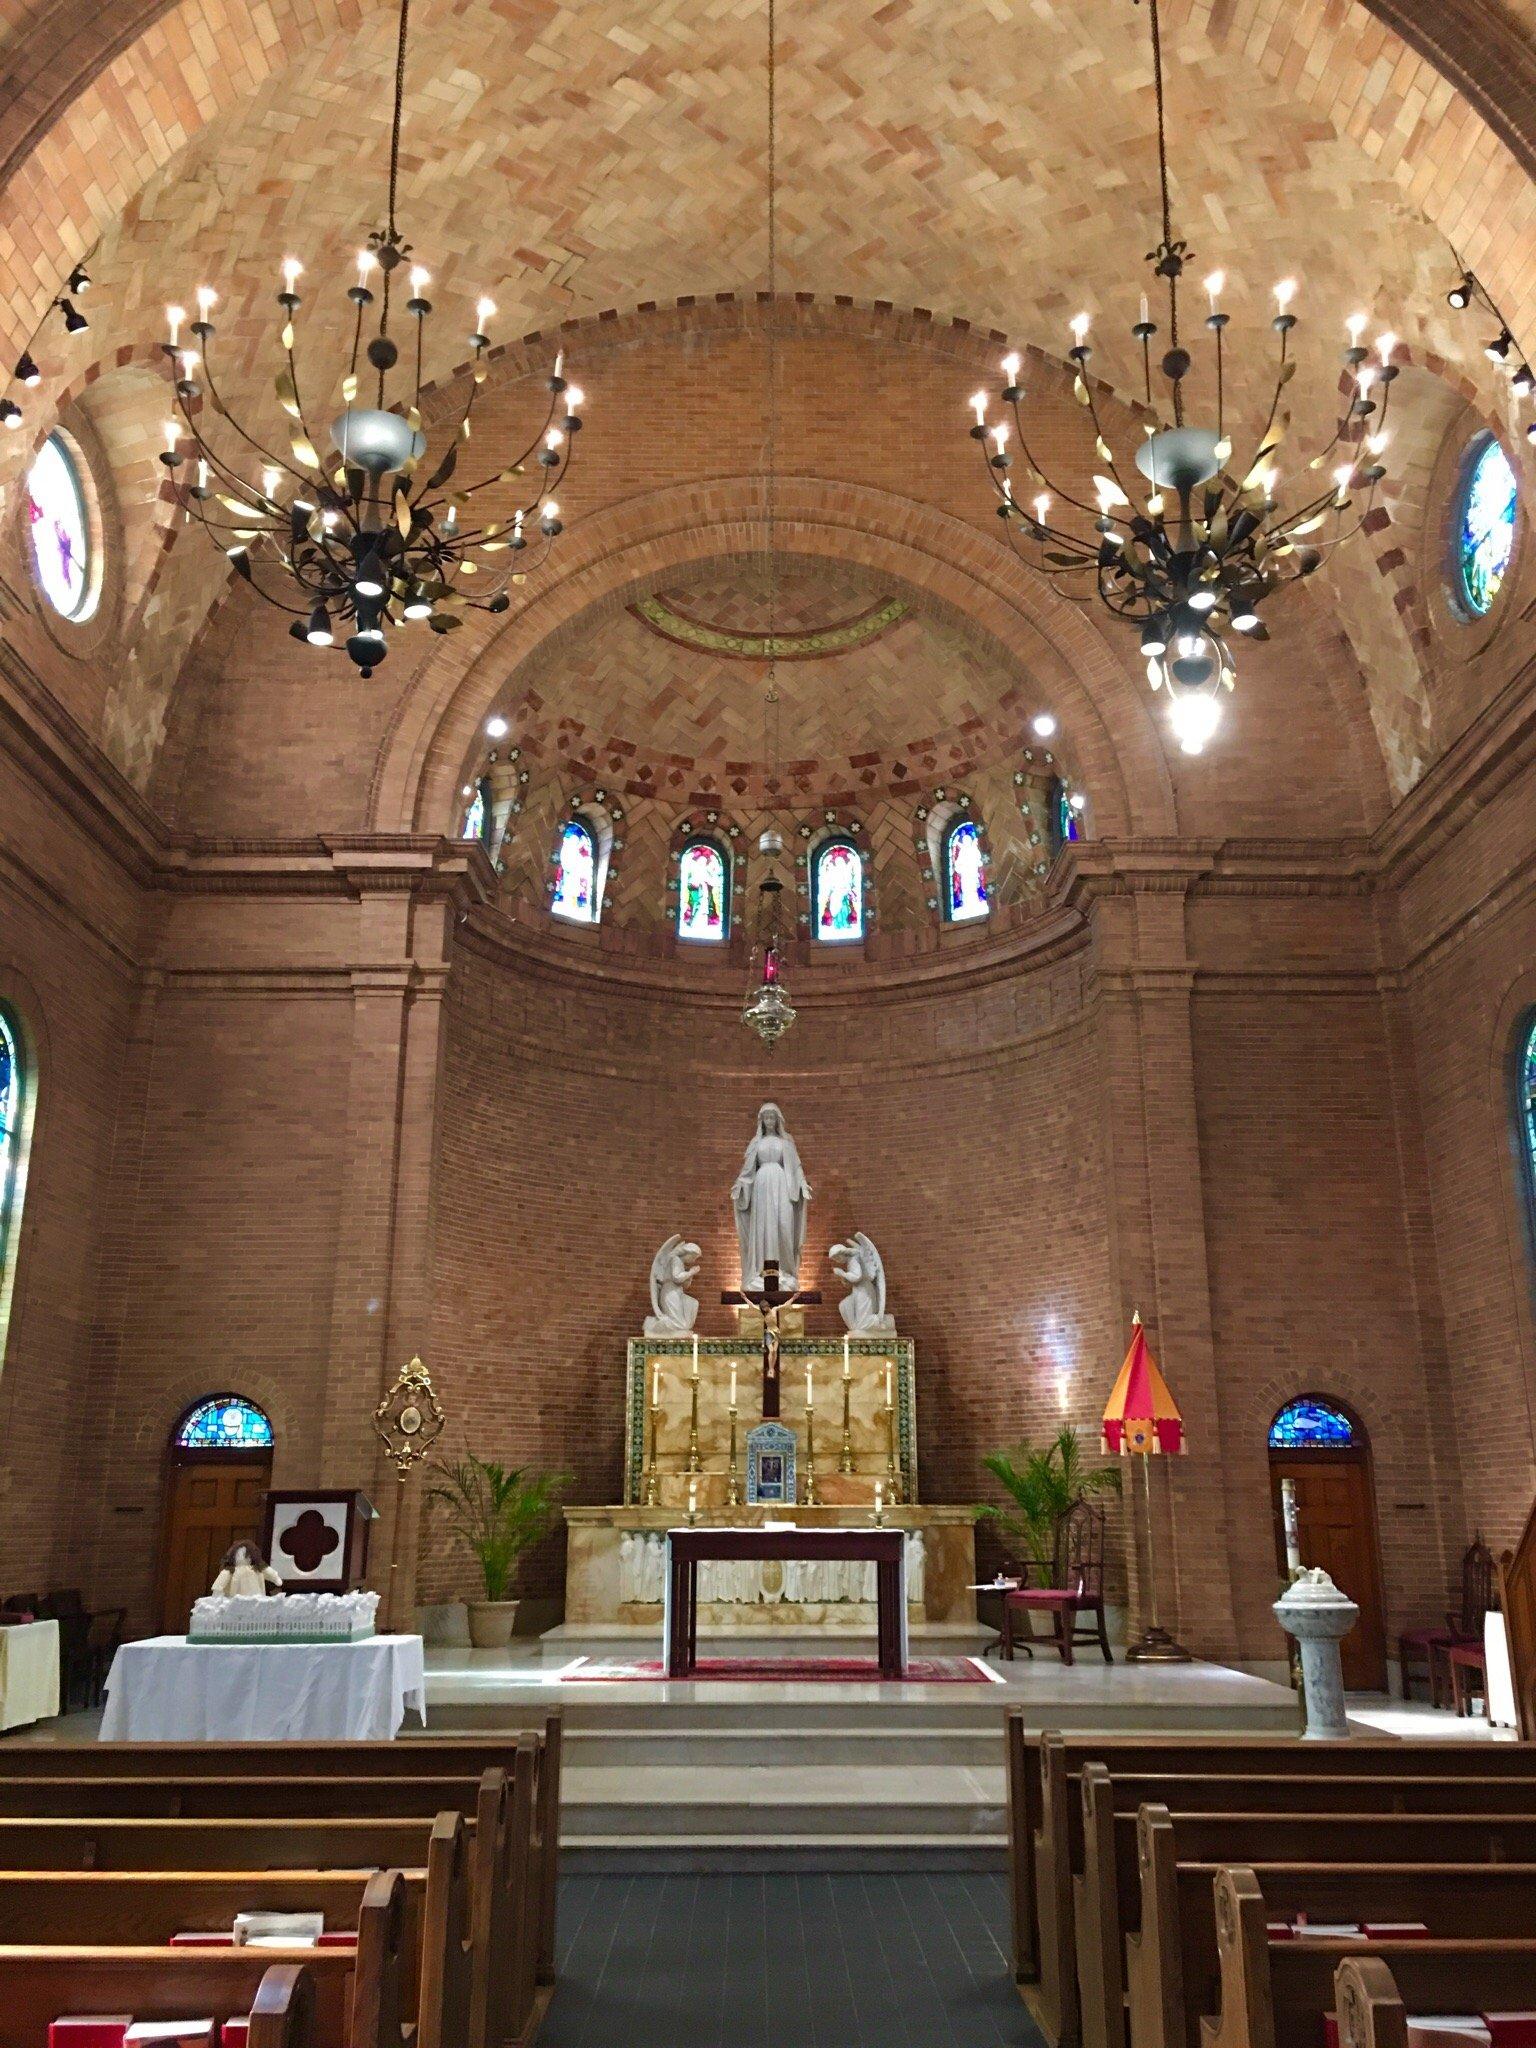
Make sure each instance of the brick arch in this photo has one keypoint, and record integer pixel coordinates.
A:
(148, 75)
(1105, 710)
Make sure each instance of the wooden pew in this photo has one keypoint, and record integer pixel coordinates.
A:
(356, 1993)
(1273, 1995)
(302, 1844)
(198, 1797)
(1107, 1895)
(429, 1756)
(1174, 1963)
(1044, 1821)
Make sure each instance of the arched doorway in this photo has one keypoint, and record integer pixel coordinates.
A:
(1325, 1450)
(220, 1469)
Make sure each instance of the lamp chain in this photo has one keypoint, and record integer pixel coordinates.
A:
(1167, 253)
(771, 505)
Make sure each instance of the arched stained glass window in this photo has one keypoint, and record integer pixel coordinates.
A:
(1309, 1424)
(226, 1422)
(837, 892)
(12, 1084)
(703, 892)
(575, 894)
(1485, 525)
(1527, 1111)
(477, 818)
(965, 873)
(60, 528)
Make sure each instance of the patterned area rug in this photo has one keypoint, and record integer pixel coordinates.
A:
(799, 1670)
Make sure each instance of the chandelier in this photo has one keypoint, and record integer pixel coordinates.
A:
(1190, 551)
(361, 539)
(768, 1010)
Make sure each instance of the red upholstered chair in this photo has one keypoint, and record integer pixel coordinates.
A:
(1429, 1646)
(1075, 1597)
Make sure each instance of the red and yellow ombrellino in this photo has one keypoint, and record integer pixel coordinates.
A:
(1141, 1415)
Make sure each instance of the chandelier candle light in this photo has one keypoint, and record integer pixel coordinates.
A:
(360, 540)
(1189, 551)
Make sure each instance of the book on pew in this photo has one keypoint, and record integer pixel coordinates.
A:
(1459, 2030)
(170, 2034)
(279, 1930)
(89, 2030)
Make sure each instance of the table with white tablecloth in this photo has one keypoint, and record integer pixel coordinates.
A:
(166, 1689)
(29, 1673)
(1499, 1691)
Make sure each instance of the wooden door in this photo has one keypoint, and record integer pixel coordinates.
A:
(1337, 1514)
(211, 1502)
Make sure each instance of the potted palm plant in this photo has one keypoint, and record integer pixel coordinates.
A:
(496, 1512)
(1043, 1481)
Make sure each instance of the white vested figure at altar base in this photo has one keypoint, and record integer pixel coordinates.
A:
(769, 1201)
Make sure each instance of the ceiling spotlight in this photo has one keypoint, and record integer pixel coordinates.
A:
(1043, 725)
(10, 414)
(1498, 349)
(75, 321)
(1524, 380)
(496, 726)
(1460, 293)
(318, 632)
(79, 279)
(27, 371)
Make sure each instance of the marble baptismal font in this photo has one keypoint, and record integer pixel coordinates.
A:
(769, 1424)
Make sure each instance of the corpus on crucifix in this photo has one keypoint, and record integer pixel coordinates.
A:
(769, 1297)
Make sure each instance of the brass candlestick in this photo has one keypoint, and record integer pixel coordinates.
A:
(693, 1424)
(732, 1486)
(845, 1459)
(892, 1469)
(650, 1474)
(810, 1456)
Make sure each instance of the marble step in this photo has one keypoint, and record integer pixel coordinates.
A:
(781, 1802)
(968, 1744)
(515, 1703)
(626, 1855)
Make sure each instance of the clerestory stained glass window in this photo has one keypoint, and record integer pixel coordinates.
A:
(965, 873)
(1068, 818)
(478, 816)
(1309, 1424)
(837, 891)
(1527, 1085)
(225, 1423)
(703, 892)
(575, 894)
(59, 526)
(1485, 526)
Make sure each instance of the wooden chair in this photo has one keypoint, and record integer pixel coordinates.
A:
(1427, 1646)
(1076, 1589)
(1467, 1664)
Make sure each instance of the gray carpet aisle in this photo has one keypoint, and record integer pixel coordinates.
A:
(785, 1961)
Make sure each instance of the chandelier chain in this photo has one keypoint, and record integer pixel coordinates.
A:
(771, 481)
(1167, 255)
(394, 130)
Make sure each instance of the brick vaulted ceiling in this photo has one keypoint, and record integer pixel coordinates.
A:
(993, 164)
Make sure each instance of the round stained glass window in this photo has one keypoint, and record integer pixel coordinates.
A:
(225, 1423)
(59, 526)
(1485, 526)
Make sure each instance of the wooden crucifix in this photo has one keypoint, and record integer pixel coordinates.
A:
(770, 1297)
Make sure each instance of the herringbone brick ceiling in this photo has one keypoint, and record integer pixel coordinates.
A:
(989, 162)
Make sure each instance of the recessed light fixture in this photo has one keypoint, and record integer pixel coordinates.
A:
(1043, 725)
(496, 726)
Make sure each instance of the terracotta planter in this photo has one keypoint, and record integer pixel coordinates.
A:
(491, 1623)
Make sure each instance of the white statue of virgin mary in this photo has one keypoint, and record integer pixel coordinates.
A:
(769, 1201)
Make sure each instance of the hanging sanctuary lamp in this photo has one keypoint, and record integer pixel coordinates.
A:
(1190, 551)
(360, 539)
(768, 1010)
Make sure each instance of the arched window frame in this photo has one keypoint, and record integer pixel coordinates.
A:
(945, 822)
(722, 851)
(1466, 605)
(839, 836)
(83, 484)
(215, 1446)
(598, 823)
(15, 1148)
(1336, 1414)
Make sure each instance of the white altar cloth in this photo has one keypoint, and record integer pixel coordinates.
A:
(29, 1673)
(166, 1689)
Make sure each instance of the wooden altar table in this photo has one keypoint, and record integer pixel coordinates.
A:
(688, 1548)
